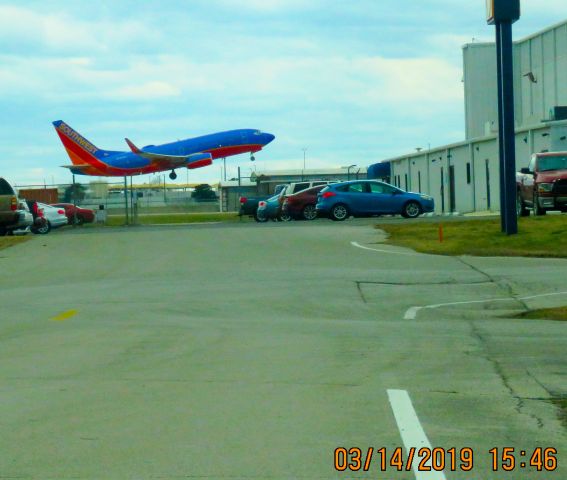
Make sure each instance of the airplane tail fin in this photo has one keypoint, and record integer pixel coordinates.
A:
(79, 149)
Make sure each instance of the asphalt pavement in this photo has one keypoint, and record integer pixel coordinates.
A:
(268, 351)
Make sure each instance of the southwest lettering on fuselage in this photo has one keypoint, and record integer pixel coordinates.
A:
(87, 159)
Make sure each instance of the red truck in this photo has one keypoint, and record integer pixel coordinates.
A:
(542, 186)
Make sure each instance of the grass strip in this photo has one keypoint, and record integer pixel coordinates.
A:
(561, 403)
(165, 218)
(6, 242)
(537, 237)
(559, 314)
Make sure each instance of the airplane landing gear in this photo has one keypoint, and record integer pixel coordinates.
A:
(173, 175)
(252, 158)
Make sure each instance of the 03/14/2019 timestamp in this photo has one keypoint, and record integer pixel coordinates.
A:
(439, 459)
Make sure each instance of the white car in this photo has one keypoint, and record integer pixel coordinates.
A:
(55, 217)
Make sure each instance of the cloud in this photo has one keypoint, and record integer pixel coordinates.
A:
(270, 6)
(23, 29)
(147, 91)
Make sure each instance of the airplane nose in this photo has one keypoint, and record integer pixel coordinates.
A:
(268, 138)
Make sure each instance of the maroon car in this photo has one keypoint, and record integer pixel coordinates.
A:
(301, 205)
(76, 215)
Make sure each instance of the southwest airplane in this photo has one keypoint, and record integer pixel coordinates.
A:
(193, 153)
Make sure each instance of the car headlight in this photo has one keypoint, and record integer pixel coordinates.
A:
(545, 187)
(426, 197)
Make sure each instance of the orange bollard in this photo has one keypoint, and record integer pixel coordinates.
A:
(440, 233)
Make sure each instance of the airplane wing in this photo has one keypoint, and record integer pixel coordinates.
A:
(195, 160)
(77, 167)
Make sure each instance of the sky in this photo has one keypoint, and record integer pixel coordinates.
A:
(353, 82)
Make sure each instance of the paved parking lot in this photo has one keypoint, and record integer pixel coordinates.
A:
(254, 351)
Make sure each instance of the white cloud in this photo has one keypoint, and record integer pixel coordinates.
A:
(147, 91)
(60, 32)
(268, 5)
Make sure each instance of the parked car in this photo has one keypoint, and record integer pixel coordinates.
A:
(271, 210)
(542, 186)
(365, 198)
(295, 187)
(54, 218)
(302, 205)
(13, 215)
(249, 205)
(76, 215)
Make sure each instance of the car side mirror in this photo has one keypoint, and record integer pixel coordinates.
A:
(525, 171)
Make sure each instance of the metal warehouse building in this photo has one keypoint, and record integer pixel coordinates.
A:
(464, 177)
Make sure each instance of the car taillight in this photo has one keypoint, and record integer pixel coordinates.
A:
(61, 212)
(328, 194)
(261, 204)
(14, 204)
(242, 199)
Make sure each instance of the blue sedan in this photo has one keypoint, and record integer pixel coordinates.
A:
(364, 198)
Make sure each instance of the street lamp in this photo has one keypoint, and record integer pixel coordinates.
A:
(303, 171)
(348, 170)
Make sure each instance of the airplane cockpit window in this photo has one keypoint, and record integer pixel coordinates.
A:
(258, 132)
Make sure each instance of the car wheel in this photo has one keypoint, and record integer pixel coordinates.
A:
(411, 210)
(309, 212)
(339, 212)
(285, 217)
(79, 220)
(260, 218)
(521, 210)
(538, 211)
(44, 229)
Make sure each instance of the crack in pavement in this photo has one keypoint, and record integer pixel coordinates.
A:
(499, 369)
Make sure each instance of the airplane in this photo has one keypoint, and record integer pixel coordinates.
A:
(192, 153)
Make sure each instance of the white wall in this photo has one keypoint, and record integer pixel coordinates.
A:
(482, 193)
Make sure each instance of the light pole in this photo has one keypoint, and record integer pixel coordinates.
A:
(503, 13)
(348, 170)
(303, 171)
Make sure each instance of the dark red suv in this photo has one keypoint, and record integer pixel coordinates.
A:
(301, 205)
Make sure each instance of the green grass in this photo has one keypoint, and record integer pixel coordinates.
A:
(559, 313)
(6, 242)
(537, 237)
(177, 218)
(561, 404)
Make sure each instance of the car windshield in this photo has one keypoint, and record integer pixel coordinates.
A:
(552, 163)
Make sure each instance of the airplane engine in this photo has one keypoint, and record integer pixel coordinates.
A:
(200, 163)
(198, 160)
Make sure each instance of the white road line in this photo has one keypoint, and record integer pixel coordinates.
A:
(355, 244)
(412, 312)
(411, 431)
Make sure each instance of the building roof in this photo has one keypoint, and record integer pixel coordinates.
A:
(310, 172)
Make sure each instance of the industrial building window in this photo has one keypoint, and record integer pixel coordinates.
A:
(406, 181)
(468, 173)
(419, 181)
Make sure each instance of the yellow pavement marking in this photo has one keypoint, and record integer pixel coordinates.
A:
(64, 316)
